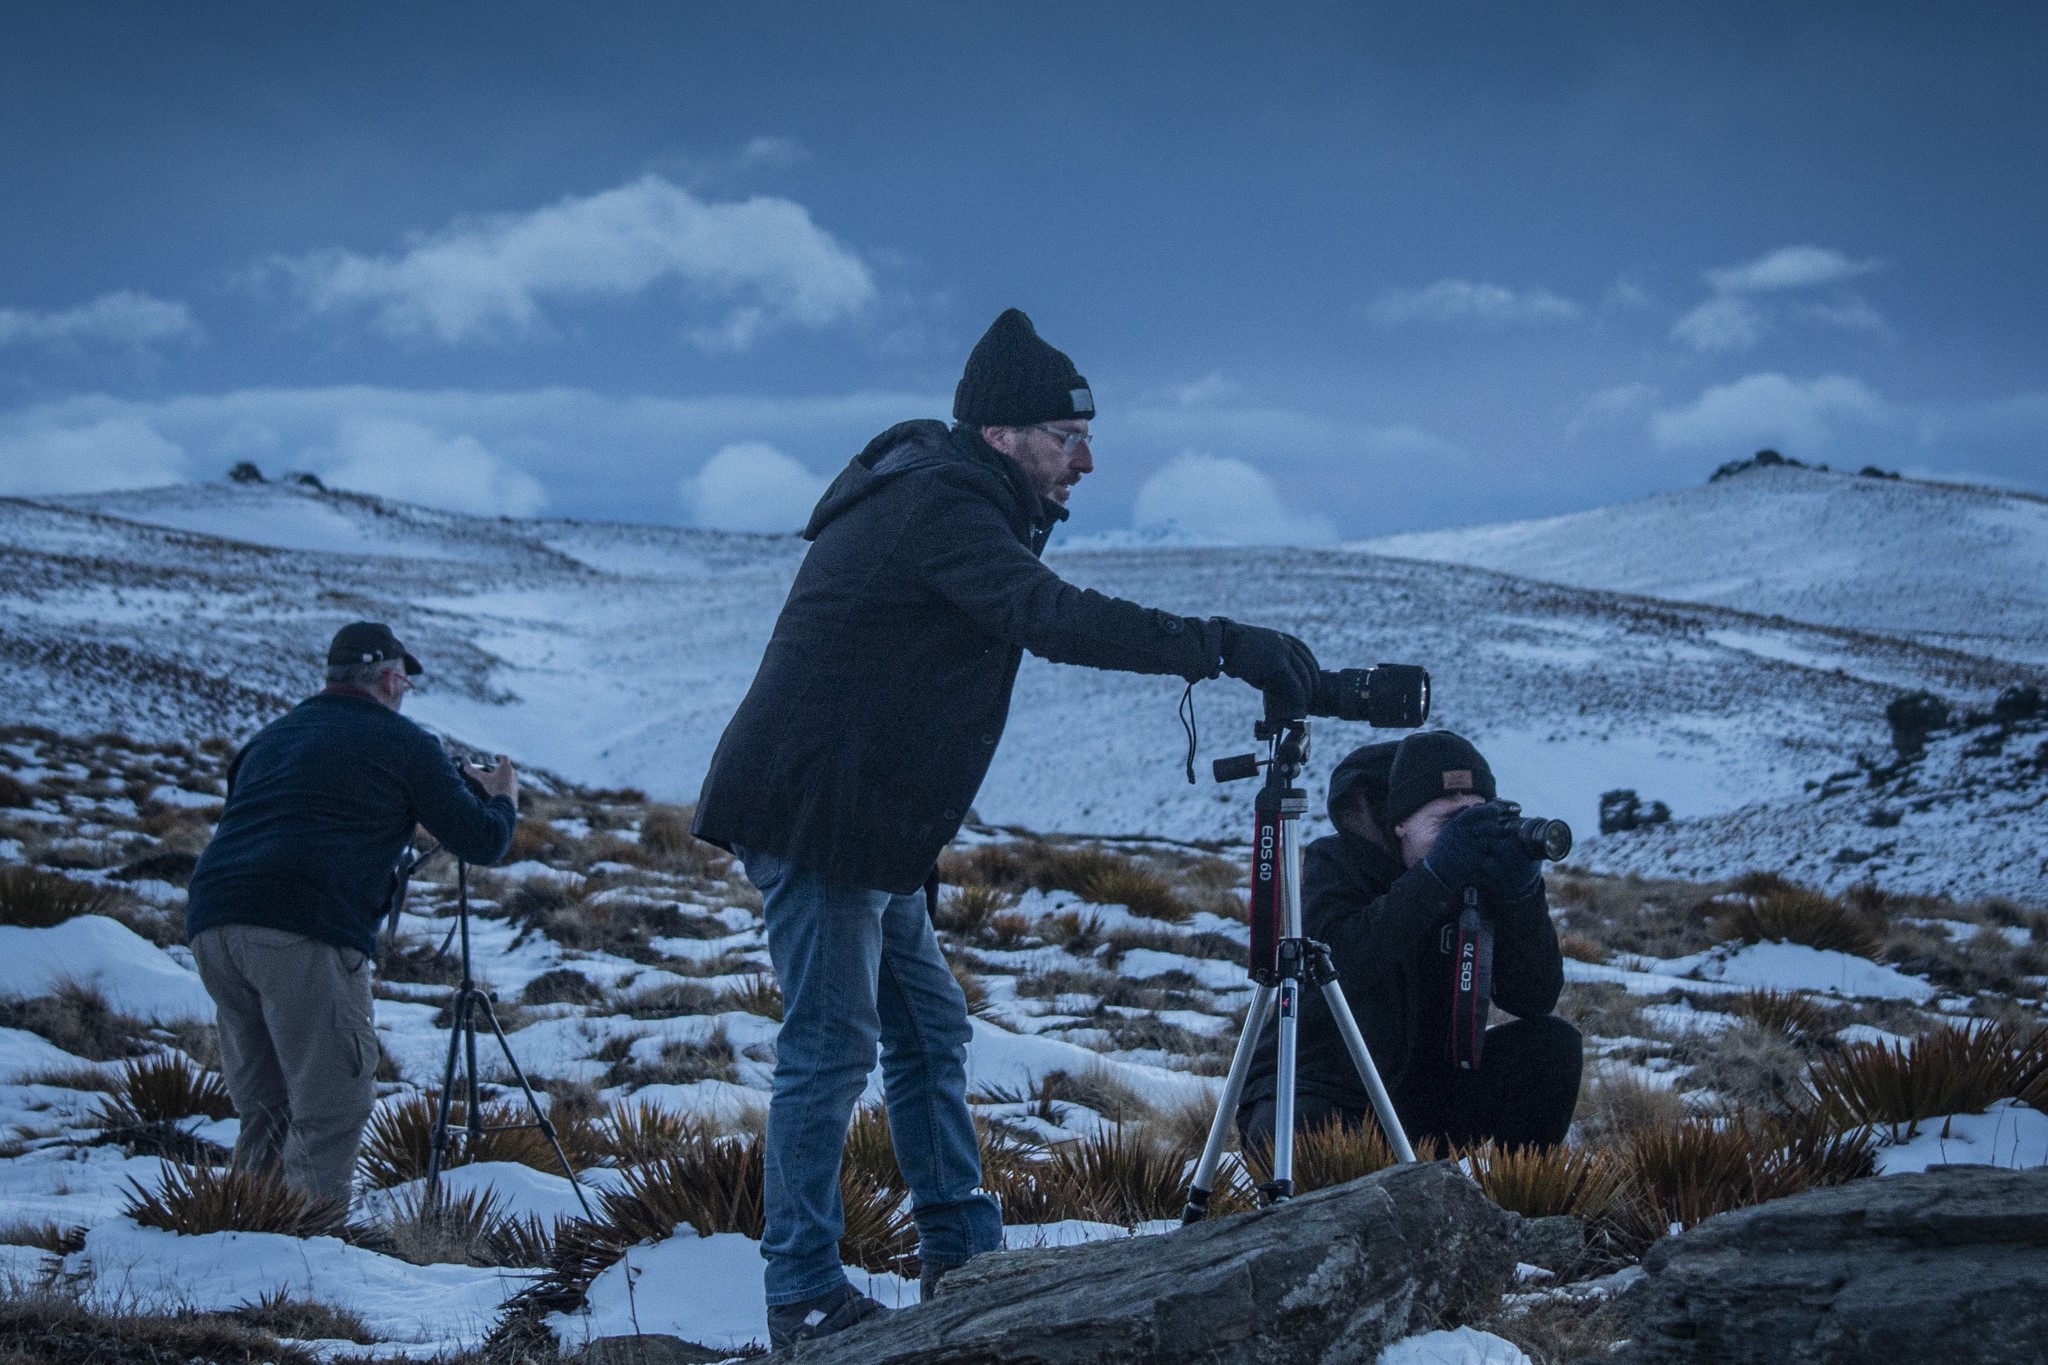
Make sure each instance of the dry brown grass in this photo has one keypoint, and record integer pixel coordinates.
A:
(1547, 1182)
(1137, 888)
(1123, 1175)
(1772, 911)
(31, 898)
(76, 1017)
(1615, 1105)
(163, 1088)
(193, 1200)
(1691, 1170)
(680, 1062)
(1947, 1070)
(398, 1142)
(1800, 1018)
(634, 1132)
(665, 835)
(965, 910)
(469, 1227)
(761, 996)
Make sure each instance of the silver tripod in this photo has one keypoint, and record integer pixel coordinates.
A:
(1282, 957)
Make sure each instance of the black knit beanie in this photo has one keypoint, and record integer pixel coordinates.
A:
(1431, 764)
(1014, 379)
(1364, 771)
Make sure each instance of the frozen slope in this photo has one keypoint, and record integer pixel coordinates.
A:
(1950, 565)
(614, 654)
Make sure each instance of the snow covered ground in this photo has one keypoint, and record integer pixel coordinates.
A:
(614, 654)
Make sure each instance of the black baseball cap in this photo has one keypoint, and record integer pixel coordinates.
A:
(369, 642)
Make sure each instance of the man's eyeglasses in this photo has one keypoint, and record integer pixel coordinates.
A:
(1068, 439)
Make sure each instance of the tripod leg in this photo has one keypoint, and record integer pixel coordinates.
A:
(437, 1142)
(1281, 1186)
(1204, 1182)
(540, 1119)
(1354, 1043)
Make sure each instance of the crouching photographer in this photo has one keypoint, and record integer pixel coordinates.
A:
(1420, 840)
(283, 907)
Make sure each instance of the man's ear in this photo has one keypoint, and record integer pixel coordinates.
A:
(1001, 438)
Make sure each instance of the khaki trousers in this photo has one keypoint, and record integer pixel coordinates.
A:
(298, 1048)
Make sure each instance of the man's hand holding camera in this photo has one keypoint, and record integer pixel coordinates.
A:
(1275, 663)
(500, 779)
(1479, 846)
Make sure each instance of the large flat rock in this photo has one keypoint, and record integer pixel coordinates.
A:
(1326, 1279)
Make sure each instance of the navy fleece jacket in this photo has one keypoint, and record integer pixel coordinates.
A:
(320, 805)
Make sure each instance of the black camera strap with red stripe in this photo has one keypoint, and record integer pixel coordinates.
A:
(1469, 944)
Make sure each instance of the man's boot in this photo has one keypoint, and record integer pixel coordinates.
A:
(835, 1310)
(928, 1279)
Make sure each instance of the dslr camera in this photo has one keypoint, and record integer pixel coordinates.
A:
(1550, 840)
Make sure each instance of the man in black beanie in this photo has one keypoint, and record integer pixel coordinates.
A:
(856, 753)
(1417, 825)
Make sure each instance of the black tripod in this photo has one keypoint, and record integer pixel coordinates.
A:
(1282, 957)
(468, 1002)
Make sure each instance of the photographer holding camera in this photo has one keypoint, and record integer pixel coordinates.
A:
(853, 759)
(1417, 828)
(282, 909)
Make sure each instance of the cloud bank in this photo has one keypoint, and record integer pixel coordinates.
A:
(1736, 318)
(1450, 302)
(1770, 410)
(1212, 499)
(754, 264)
(123, 318)
(411, 462)
(751, 486)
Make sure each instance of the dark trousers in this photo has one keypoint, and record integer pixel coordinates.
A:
(1522, 1094)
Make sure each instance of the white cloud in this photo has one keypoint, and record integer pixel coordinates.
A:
(1770, 410)
(1457, 301)
(1212, 499)
(1611, 408)
(1210, 389)
(414, 463)
(123, 318)
(1851, 312)
(756, 263)
(1724, 323)
(39, 459)
(1789, 267)
(773, 151)
(752, 486)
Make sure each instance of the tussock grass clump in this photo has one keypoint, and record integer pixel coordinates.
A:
(680, 1062)
(632, 1133)
(562, 986)
(1582, 949)
(992, 865)
(55, 1238)
(31, 898)
(665, 834)
(964, 910)
(35, 1328)
(760, 995)
(1006, 930)
(1551, 1181)
(164, 1088)
(1135, 887)
(14, 793)
(537, 840)
(1689, 1171)
(469, 1227)
(1775, 912)
(1615, 1105)
(1947, 1070)
(870, 1152)
(419, 961)
(670, 1000)
(1800, 1018)
(194, 1200)
(302, 1319)
(77, 1018)
(1122, 1175)
(398, 1142)
(73, 1078)
(1632, 914)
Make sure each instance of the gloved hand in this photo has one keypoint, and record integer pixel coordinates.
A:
(1463, 846)
(1505, 869)
(1277, 664)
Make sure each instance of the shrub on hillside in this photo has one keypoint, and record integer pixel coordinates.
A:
(77, 1018)
(1774, 912)
(31, 898)
(1947, 1070)
(1689, 1171)
(562, 986)
(194, 1200)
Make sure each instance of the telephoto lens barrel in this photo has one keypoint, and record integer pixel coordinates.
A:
(1389, 697)
(1547, 839)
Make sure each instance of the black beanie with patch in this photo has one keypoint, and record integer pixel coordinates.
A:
(1014, 379)
(1432, 764)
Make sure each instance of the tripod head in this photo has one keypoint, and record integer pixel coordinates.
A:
(1286, 744)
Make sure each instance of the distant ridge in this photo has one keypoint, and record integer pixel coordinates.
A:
(1953, 565)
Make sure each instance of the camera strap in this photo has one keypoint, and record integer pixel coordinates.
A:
(1470, 944)
(1265, 893)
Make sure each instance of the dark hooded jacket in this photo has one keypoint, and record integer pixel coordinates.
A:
(1384, 924)
(886, 684)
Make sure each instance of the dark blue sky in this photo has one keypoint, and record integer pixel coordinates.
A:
(1330, 272)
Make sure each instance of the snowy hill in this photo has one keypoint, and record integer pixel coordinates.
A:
(614, 654)
(1966, 568)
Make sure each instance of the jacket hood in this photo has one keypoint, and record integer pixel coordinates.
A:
(911, 446)
(1366, 769)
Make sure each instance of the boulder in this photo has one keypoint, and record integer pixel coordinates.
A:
(1325, 1279)
(1949, 1264)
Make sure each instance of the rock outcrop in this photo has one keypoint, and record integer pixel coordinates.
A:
(1325, 1279)
(1949, 1265)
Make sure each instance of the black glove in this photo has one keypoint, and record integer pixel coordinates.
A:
(1277, 664)
(1505, 869)
(1463, 845)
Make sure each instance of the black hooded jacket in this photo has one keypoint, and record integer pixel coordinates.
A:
(1384, 924)
(886, 684)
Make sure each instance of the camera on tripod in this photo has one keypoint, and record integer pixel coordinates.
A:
(1550, 840)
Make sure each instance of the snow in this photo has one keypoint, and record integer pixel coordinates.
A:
(137, 977)
(1797, 967)
(2007, 1134)
(1459, 1346)
(23, 1053)
(148, 1268)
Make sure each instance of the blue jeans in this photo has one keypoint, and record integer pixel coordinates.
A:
(860, 968)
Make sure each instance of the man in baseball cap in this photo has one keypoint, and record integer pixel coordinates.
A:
(283, 906)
